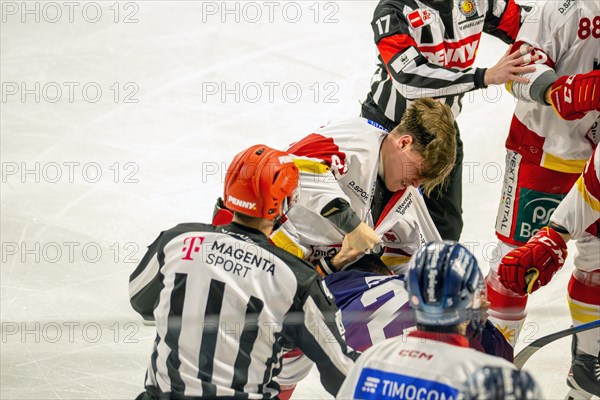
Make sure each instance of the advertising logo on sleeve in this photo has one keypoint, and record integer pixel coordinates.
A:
(375, 384)
(535, 210)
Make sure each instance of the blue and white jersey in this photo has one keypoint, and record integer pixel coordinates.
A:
(421, 365)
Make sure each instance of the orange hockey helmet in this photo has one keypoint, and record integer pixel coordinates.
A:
(261, 182)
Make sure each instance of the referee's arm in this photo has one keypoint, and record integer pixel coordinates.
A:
(145, 283)
(319, 335)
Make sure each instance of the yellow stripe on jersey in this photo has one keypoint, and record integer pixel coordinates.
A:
(583, 314)
(282, 241)
(391, 261)
(587, 197)
(562, 165)
(314, 167)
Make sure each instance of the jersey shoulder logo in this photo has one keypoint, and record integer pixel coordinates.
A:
(419, 18)
(467, 8)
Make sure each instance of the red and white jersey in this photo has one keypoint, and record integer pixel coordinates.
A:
(340, 160)
(424, 365)
(567, 36)
(579, 212)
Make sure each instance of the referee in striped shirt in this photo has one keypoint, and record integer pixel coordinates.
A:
(227, 303)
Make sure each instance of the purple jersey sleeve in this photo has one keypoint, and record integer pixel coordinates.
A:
(374, 307)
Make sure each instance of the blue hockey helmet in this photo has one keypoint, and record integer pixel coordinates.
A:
(445, 285)
(495, 383)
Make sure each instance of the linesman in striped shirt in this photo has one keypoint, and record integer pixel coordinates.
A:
(427, 49)
(227, 303)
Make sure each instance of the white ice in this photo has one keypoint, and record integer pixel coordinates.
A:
(71, 237)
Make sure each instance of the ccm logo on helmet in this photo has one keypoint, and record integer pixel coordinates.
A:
(241, 203)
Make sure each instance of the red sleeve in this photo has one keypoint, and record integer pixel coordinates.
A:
(391, 45)
(511, 20)
(590, 176)
(318, 146)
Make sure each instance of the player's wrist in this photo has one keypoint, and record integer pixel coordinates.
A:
(480, 78)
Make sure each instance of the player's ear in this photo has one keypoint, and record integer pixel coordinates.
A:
(405, 140)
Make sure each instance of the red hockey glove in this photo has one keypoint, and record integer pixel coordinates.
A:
(573, 96)
(531, 266)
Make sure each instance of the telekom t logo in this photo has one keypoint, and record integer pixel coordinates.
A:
(192, 247)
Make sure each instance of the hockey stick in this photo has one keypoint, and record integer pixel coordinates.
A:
(531, 349)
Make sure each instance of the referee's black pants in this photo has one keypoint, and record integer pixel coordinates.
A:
(445, 202)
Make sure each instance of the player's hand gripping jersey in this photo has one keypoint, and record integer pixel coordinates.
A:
(424, 52)
(338, 170)
(219, 332)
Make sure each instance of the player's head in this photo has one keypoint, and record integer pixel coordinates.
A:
(445, 286)
(495, 383)
(261, 182)
(422, 149)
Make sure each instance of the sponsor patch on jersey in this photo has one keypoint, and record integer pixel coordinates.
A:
(535, 210)
(390, 236)
(419, 18)
(565, 6)
(404, 59)
(509, 189)
(376, 384)
(376, 125)
(467, 8)
(456, 54)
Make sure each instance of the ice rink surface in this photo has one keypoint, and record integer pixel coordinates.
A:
(116, 121)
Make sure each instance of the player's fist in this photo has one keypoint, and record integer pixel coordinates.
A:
(531, 266)
(362, 238)
(573, 96)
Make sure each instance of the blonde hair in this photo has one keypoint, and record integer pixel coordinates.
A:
(431, 125)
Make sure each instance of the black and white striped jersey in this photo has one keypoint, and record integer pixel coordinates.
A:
(428, 51)
(227, 303)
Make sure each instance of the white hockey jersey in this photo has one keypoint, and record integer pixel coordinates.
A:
(579, 212)
(424, 365)
(341, 160)
(565, 34)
